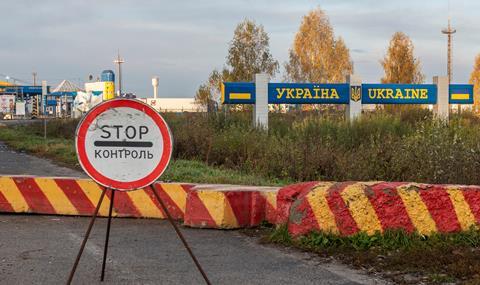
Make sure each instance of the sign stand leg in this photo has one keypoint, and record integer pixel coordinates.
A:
(180, 235)
(87, 234)
(105, 249)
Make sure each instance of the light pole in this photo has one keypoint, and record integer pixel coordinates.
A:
(119, 62)
(449, 31)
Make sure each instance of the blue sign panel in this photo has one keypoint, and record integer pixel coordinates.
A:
(238, 93)
(308, 93)
(399, 94)
(460, 94)
(27, 90)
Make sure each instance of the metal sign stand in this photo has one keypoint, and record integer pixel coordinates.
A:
(138, 126)
(92, 221)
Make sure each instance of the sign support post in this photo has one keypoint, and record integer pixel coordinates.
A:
(87, 234)
(354, 109)
(441, 109)
(107, 237)
(260, 108)
(124, 145)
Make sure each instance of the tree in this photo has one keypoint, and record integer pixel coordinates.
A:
(210, 91)
(400, 64)
(475, 80)
(316, 56)
(248, 54)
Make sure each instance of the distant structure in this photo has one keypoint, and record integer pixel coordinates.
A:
(155, 87)
(449, 31)
(119, 62)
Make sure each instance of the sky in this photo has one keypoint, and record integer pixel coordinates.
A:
(182, 41)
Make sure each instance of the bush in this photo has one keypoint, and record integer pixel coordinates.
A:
(402, 146)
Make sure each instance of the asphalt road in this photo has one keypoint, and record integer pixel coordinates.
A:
(36, 249)
(19, 163)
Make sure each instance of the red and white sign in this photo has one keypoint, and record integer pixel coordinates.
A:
(123, 144)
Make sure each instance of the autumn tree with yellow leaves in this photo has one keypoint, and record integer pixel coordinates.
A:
(399, 64)
(475, 80)
(316, 55)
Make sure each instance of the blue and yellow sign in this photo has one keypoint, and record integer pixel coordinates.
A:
(238, 93)
(460, 94)
(399, 94)
(308, 93)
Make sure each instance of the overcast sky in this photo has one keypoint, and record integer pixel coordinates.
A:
(182, 41)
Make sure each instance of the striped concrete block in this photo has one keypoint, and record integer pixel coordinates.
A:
(67, 196)
(229, 207)
(350, 207)
(205, 206)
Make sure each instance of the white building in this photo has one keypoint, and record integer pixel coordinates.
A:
(173, 104)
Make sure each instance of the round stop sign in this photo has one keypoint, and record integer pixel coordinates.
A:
(123, 144)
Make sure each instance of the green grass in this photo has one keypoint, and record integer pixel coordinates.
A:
(438, 258)
(62, 150)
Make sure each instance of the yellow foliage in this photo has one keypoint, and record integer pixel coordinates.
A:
(399, 64)
(316, 56)
(475, 80)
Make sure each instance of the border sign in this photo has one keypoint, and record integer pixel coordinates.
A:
(308, 93)
(238, 93)
(399, 94)
(460, 94)
(123, 144)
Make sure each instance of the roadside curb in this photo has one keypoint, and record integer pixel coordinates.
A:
(204, 206)
(347, 208)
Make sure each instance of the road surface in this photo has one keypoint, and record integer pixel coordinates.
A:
(36, 249)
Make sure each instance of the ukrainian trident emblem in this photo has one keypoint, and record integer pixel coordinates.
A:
(355, 93)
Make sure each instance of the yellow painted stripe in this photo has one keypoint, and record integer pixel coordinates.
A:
(462, 209)
(144, 204)
(237, 96)
(219, 208)
(417, 210)
(177, 194)
(56, 196)
(317, 198)
(460, 96)
(93, 192)
(271, 197)
(361, 209)
(10, 191)
(222, 92)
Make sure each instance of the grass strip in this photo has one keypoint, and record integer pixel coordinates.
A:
(62, 150)
(406, 258)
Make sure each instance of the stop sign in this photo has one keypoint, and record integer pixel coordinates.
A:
(123, 144)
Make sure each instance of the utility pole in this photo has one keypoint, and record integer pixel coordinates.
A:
(119, 62)
(34, 78)
(449, 31)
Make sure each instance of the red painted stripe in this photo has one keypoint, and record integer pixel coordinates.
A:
(270, 213)
(302, 220)
(5, 205)
(196, 213)
(441, 208)
(287, 195)
(344, 220)
(389, 206)
(472, 197)
(36, 200)
(123, 205)
(172, 207)
(76, 195)
(257, 209)
(240, 202)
